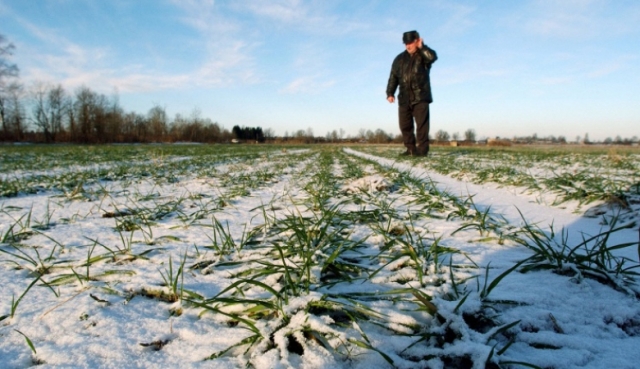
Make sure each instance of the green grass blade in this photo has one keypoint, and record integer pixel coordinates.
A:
(33, 348)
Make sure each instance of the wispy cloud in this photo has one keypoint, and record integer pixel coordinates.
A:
(562, 23)
(454, 75)
(226, 44)
(226, 49)
(476, 65)
(62, 61)
(287, 11)
(311, 84)
(579, 19)
(609, 67)
(136, 82)
(312, 17)
(573, 68)
(309, 70)
(460, 19)
(554, 81)
(225, 60)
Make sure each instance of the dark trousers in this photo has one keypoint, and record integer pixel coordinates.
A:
(407, 114)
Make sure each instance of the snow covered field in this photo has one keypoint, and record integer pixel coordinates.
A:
(317, 257)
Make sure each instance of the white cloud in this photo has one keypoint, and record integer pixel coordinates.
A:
(580, 19)
(310, 84)
(448, 76)
(459, 21)
(553, 81)
(60, 60)
(609, 67)
(225, 59)
(311, 17)
(288, 11)
(227, 45)
(228, 57)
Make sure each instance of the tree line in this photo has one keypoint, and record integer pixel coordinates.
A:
(48, 113)
(90, 117)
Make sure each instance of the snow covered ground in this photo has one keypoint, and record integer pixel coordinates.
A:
(315, 258)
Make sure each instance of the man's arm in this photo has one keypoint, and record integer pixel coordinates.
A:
(428, 55)
(393, 82)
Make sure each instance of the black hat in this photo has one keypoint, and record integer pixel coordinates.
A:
(409, 37)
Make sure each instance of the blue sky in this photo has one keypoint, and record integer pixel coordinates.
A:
(504, 68)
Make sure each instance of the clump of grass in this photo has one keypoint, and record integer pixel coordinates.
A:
(592, 257)
(174, 281)
(37, 265)
(19, 230)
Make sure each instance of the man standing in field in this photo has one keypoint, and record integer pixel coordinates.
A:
(410, 70)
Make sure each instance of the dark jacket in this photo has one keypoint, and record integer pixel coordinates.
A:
(411, 73)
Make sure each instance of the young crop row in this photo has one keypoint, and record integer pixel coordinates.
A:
(261, 257)
(66, 169)
(584, 176)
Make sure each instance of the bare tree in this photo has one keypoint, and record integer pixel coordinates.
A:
(327, 137)
(100, 110)
(198, 129)
(90, 116)
(369, 135)
(212, 131)
(269, 134)
(194, 128)
(59, 103)
(128, 127)
(49, 109)
(470, 135)
(299, 135)
(40, 111)
(84, 107)
(141, 128)
(114, 119)
(362, 133)
(380, 136)
(8, 71)
(310, 135)
(158, 121)
(442, 135)
(333, 136)
(15, 121)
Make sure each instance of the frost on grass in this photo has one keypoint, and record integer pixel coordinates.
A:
(371, 184)
(267, 258)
